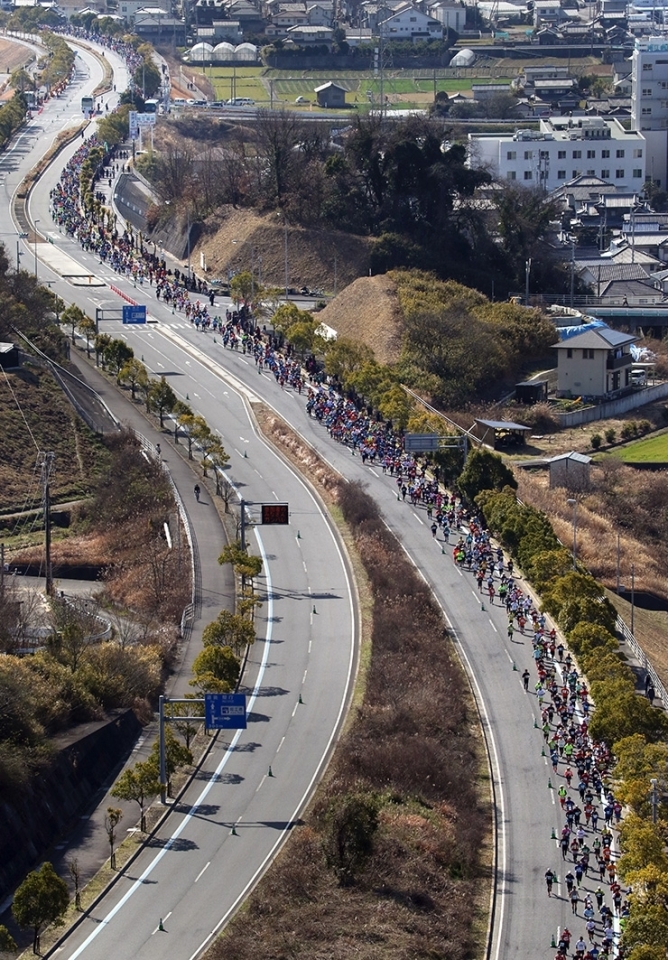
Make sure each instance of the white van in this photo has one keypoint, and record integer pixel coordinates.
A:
(179, 102)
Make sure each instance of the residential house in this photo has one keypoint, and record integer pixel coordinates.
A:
(411, 24)
(358, 36)
(451, 15)
(621, 293)
(487, 91)
(320, 15)
(306, 35)
(595, 363)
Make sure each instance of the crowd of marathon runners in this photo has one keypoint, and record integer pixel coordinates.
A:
(580, 766)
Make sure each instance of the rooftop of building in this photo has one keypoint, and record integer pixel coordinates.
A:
(567, 129)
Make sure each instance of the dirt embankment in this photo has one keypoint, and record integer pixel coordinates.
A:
(368, 310)
(318, 259)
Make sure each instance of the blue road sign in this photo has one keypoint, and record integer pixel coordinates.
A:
(225, 711)
(134, 314)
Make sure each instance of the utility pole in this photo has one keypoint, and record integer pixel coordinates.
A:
(46, 463)
(572, 270)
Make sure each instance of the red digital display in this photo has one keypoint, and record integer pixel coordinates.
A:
(275, 513)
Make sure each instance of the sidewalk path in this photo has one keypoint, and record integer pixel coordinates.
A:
(88, 841)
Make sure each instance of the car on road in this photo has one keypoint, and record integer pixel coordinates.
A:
(300, 100)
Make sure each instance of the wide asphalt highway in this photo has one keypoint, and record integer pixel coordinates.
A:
(213, 379)
(254, 784)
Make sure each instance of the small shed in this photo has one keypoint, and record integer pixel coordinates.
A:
(506, 433)
(570, 470)
(531, 391)
(9, 356)
(330, 95)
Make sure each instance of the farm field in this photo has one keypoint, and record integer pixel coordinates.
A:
(649, 450)
(401, 86)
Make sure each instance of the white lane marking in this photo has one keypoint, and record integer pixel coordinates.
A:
(304, 565)
(138, 884)
(280, 744)
(202, 871)
(374, 472)
(418, 518)
(275, 494)
(304, 677)
(492, 625)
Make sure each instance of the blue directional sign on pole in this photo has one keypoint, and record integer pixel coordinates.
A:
(225, 711)
(134, 314)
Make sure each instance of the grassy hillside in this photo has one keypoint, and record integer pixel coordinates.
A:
(32, 403)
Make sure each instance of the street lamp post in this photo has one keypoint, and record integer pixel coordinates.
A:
(248, 244)
(527, 274)
(35, 239)
(633, 598)
(19, 236)
(56, 304)
(188, 213)
(574, 504)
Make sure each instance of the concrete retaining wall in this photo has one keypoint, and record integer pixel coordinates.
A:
(33, 819)
(613, 408)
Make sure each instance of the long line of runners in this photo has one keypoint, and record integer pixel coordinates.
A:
(581, 764)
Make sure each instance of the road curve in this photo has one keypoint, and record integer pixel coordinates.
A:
(196, 871)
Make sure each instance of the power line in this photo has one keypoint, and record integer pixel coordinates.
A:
(19, 408)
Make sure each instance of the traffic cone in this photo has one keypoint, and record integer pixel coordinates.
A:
(482, 605)
(160, 926)
(314, 609)
(234, 831)
(553, 943)
(442, 549)
(270, 774)
(535, 724)
(245, 455)
(299, 536)
(549, 785)
(554, 834)
(514, 666)
(300, 698)
(542, 751)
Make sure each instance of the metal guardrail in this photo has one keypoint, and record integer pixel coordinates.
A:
(191, 610)
(642, 659)
(81, 606)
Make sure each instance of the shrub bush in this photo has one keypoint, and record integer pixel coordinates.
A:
(596, 441)
(610, 435)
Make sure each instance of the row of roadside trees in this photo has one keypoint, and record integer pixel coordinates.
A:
(634, 730)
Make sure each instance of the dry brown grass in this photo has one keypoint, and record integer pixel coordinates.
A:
(597, 530)
(368, 311)
(413, 741)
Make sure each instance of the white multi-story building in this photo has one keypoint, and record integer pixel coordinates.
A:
(649, 103)
(562, 149)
